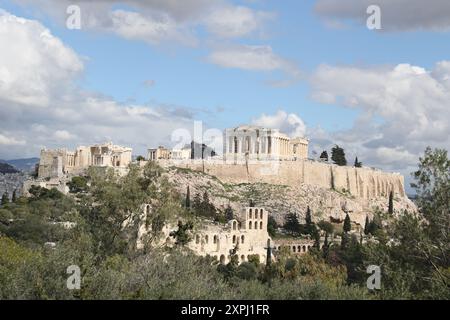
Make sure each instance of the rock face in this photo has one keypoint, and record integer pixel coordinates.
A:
(12, 181)
(279, 200)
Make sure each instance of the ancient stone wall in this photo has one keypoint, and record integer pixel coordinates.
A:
(366, 183)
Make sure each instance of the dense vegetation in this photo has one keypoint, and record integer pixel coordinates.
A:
(37, 246)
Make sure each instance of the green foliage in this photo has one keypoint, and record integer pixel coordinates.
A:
(5, 199)
(182, 234)
(347, 224)
(140, 158)
(14, 196)
(357, 164)
(229, 215)
(324, 155)
(391, 203)
(78, 184)
(338, 156)
(292, 225)
(272, 226)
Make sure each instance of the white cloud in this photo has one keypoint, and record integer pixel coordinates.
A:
(40, 104)
(396, 15)
(10, 141)
(33, 63)
(290, 124)
(235, 21)
(254, 58)
(157, 21)
(404, 109)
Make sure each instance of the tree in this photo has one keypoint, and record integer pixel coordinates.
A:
(78, 184)
(140, 158)
(367, 226)
(324, 156)
(328, 228)
(188, 198)
(292, 225)
(308, 218)
(182, 235)
(14, 196)
(5, 198)
(358, 164)
(229, 215)
(338, 156)
(391, 202)
(347, 224)
(271, 226)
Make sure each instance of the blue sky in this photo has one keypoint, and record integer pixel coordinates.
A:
(340, 82)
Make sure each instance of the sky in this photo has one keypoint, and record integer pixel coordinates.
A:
(137, 72)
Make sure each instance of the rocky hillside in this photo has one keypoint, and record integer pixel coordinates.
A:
(279, 200)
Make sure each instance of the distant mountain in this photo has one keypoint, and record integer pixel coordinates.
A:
(26, 165)
(7, 168)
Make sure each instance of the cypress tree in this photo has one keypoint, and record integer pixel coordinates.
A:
(229, 213)
(5, 198)
(14, 196)
(347, 224)
(358, 164)
(188, 198)
(391, 203)
(367, 226)
(324, 156)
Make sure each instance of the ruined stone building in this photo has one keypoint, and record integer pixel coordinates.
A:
(59, 162)
(253, 142)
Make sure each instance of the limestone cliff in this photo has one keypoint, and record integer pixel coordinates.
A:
(325, 203)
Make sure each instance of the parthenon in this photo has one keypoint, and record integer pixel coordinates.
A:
(253, 142)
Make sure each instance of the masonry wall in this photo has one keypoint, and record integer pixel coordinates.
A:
(364, 183)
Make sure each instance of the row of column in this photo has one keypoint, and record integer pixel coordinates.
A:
(264, 145)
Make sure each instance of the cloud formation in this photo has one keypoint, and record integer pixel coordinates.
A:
(41, 105)
(396, 15)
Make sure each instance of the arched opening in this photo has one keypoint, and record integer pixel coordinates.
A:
(261, 225)
(242, 239)
(261, 213)
(256, 225)
(250, 225)
(250, 213)
(222, 259)
(242, 258)
(215, 239)
(147, 209)
(234, 239)
(293, 249)
(206, 239)
(234, 225)
(299, 249)
(197, 239)
(304, 248)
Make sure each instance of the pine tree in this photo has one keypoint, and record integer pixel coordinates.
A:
(391, 203)
(308, 218)
(338, 156)
(347, 224)
(14, 196)
(197, 204)
(358, 164)
(324, 156)
(188, 198)
(5, 198)
(292, 225)
(367, 226)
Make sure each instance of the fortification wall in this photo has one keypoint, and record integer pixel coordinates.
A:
(366, 183)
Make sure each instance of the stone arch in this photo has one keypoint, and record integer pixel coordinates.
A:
(249, 224)
(304, 248)
(222, 259)
(261, 213)
(256, 225)
(234, 239)
(234, 225)
(294, 248)
(299, 248)
(261, 225)
(242, 239)
(250, 214)
(206, 239)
